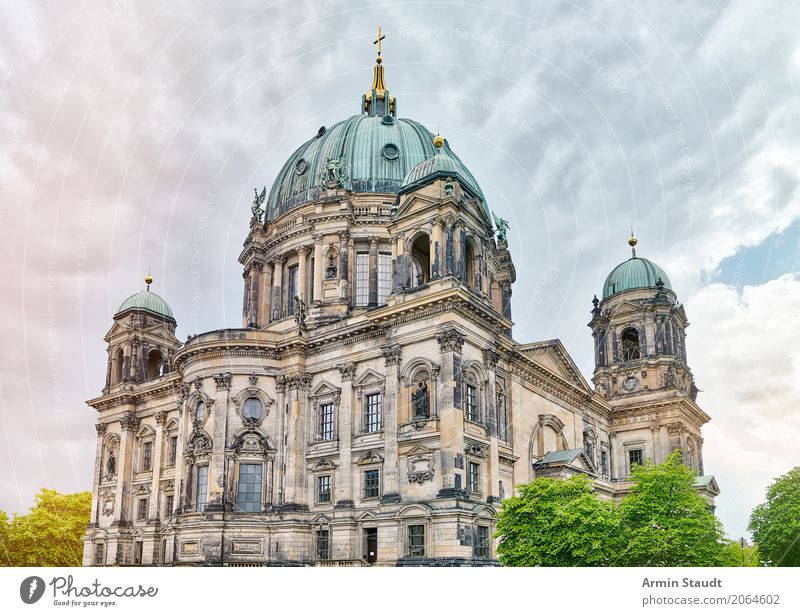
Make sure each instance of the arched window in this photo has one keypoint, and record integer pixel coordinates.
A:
(200, 411)
(118, 361)
(155, 364)
(420, 261)
(472, 264)
(472, 398)
(630, 344)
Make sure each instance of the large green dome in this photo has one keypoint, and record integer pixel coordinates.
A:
(149, 301)
(376, 153)
(635, 273)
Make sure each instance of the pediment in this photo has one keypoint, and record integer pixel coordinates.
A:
(416, 201)
(551, 355)
(324, 388)
(368, 377)
(625, 307)
(419, 450)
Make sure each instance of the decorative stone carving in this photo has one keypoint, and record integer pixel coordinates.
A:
(101, 428)
(250, 442)
(490, 358)
(253, 378)
(298, 380)
(161, 417)
(476, 450)
(222, 381)
(391, 354)
(198, 384)
(199, 444)
(670, 377)
(675, 429)
(346, 371)
(129, 422)
(451, 340)
(280, 383)
(420, 468)
(420, 401)
(370, 457)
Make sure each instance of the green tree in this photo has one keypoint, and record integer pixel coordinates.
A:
(556, 523)
(665, 522)
(50, 535)
(737, 555)
(775, 524)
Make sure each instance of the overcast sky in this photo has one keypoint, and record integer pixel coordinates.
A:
(132, 136)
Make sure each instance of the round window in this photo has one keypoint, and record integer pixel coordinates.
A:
(300, 166)
(200, 411)
(387, 120)
(252, 408)
(390, 151)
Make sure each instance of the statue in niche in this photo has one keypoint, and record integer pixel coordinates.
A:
(502, 491)
(420, 400)
(330, 271)
(111, 464)
(299, 312)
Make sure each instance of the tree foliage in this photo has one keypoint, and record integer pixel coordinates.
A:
(556, 523)
(665, 522)
(775, 524)
(737, 555)
(662, 521)
(50, 535)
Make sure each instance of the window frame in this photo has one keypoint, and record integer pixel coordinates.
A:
(318, 480)
(292, 282)
(410, 546)
(200, 504)
(147, 455)
(482, 545)
(326, 533)
(101, 547)
(474, 487)
(368, 396)
(327, 421)
(469, 415)
(142, 505)
(384, 276)
(378, 487)
(259, 503)
(361, 296)
(169, 505)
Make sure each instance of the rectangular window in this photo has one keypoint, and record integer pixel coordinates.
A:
(362, 278)
(482, 542)
(141, 509)
(169, 502)
(201, 492)
(99, 553)
(164, 551)
(138, 548)
(147, 456)
(291, 289)
(604, 463)
(372, 486)
(472, 403)
(250, 476)
(324, 489)
(372, 421)
(323, 545)
(634, 457)
(473, 479)
(384, 276)
(326, 422)
(416, 540)
(173, 450)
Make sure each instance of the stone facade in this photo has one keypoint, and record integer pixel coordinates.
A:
(374, 408)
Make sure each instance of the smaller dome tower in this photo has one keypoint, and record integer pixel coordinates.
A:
(142, 340)
(639, 331)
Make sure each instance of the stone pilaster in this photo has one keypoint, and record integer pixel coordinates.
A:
(277, 281)
(451, 342)
(344, 479)
(219, 421)
(319, 267)
(373, 272)
(391, 469)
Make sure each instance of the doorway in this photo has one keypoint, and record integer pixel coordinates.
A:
(371, 545)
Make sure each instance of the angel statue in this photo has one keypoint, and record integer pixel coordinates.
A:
(258, 213)
(502, 228)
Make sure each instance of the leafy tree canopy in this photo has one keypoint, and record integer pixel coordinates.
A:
(775, 524)
(50, 535)
(556, 523)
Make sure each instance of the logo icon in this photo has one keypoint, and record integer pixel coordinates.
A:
(31, 589)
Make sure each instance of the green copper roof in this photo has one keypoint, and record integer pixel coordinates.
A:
(147, 300)
(375, 152)
(443, 164)
(635, 273)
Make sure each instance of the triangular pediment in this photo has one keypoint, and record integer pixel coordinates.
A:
(324, 388)
(552, 355)
(624, 308)
(368, 377)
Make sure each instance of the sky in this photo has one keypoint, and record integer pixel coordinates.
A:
(132, 136)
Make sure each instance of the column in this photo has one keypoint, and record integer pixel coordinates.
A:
(344, 263)
(437, 243)
(98, 473)
(373, 272)
(219, 419)
(280, 456)
(155, 488)
(302, 266)
(451, 414)
(319, 267)
(391, 470)
(490, 358)
(295, 461)
(246, 297)
(255, 279)
(266, 284)
(277, 278)
(343, 483)
(449, 265)
(181, 475)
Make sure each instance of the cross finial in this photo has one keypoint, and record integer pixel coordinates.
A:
(378, 40)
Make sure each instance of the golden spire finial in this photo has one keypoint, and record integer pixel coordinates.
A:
(438, 141)
(148, 281)
(377, 42)
(632, 241)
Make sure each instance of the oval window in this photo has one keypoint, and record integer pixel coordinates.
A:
(252, 408)
(200, 411)
(390, 151)
(300, 166)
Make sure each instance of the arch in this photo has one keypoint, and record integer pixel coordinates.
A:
(419, 376)
(473, 387)
(117, 362)
(155, 364)
(547, 434)
(472, 259)
(419, 249)
(630, 344)
(414, 510)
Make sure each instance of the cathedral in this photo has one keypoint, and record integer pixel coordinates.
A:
(374, 407)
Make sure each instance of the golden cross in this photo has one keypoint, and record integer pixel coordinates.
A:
(378, 40)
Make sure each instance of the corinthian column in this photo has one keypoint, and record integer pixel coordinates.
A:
(301, 273)
(319, 267)
(277, 280)
(373, 272)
